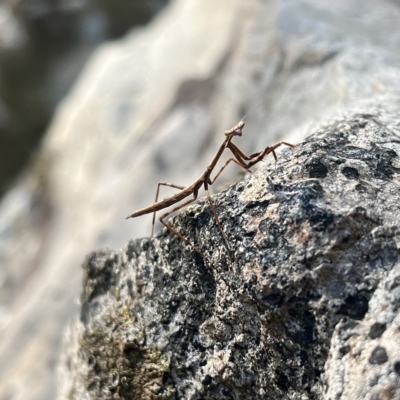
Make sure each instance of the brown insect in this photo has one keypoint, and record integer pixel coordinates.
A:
(205, 180)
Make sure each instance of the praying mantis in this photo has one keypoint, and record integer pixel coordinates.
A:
(245, 162)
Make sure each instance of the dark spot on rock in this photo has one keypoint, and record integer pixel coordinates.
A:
(166, 378)
(202, 363)
(91, 361)
(297, 305)
(256, 208)
(276, 187)
(344, 350)
(252, 204)
(174, 305)
(207, 380)
(354, 307)
(361, 188)
(282, 382)
(201, 220)
(378, 356)
(317, 170)
(97, 368)
(301, 324)
(226, 392)
(384, 168)
(307, 195)
(319, 219)
(145, 244)
(239, 188)
(303, 357)
(350, 173)
(376, 330)
(273, 299)
(249, 234)
(396, 367)
(360, 211)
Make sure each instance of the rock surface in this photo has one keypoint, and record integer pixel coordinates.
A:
(153, 107)
(310, 273)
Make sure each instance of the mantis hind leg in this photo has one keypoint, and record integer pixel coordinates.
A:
(157, 193)
(214, 211)
(173, 230)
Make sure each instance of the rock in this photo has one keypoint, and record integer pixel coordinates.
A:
(364, 357)
(312, 259)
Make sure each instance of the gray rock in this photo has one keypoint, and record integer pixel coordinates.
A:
(364, 358)
(310, 267)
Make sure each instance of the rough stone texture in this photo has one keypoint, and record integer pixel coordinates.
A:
(364, 360)
(311, 268)
(161, 95)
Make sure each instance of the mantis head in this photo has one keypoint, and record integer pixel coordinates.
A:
(235, 130)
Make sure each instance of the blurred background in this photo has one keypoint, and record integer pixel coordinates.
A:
(43, 46)
(102, 99)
